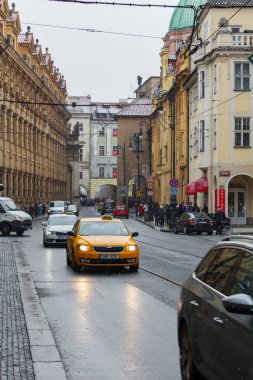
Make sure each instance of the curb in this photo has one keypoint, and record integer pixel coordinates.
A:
(47, 363)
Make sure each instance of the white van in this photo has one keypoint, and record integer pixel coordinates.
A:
(57, 207)
(12, 218)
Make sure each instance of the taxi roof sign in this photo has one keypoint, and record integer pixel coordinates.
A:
(107, 217)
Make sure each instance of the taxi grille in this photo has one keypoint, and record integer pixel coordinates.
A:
(108, 250)
(109, 261)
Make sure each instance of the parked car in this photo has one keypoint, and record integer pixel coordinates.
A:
(108, 207)
(102, 242)
(72, 209)
(120, 211)
(215, 314)
(56, 227)
(57, 207)
(190, 222)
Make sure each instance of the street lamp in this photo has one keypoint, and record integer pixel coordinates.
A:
(123, 147)
(134, 145)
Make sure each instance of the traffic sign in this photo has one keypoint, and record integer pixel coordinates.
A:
(174, 191)
(150, 193)
(174, 182)
(250, 58)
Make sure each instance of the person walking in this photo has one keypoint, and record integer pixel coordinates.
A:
(205, 209)
(219, 218)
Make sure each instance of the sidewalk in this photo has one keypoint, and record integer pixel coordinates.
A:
(242, 230)
(28, 349)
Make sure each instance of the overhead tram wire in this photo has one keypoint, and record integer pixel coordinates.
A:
(90, 30)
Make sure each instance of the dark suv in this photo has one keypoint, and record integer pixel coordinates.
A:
(215, 314)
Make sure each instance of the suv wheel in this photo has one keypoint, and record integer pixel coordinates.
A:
(187, 366)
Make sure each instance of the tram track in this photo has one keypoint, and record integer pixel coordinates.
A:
(169, 249)
(160, 276)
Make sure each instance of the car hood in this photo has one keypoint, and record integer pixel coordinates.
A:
(107, 240)
(22, 214)
(56, 208)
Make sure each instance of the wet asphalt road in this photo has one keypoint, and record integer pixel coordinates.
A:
(115, 325)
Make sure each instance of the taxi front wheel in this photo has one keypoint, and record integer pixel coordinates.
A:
(76, 268)
(134, 268)
(68, 261)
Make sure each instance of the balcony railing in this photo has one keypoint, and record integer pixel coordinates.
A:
(242, 39)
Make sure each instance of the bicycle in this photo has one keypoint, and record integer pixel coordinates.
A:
(227, 230)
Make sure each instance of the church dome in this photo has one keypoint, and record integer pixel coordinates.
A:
(182, 18)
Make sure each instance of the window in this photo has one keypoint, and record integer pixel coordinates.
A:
(102, 132)
(195, 96)
(214, 134)
(215, 79)
(235, 29)
(166, 152)
(201, 84)
(80, 128)
(242, 132)
(81, 154)
(242, 276)
(101, 150)
(241, 76)
(196, 141)
(114, 172)
(202, 136)
(160, 156)
(80, 175)
(101, 172)
(218, 267)
(115, 132)
(115, 150)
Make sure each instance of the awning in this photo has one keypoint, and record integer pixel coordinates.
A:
(202, 185)
(190, 189)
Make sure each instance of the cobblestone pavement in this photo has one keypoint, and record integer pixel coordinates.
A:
(15, 356)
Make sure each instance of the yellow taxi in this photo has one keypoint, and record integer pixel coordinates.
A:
(101, 242)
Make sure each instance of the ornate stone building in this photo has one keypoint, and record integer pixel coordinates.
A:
(33, 119)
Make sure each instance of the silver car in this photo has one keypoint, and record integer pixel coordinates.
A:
(56, 227)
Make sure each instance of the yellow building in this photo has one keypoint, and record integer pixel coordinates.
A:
(169, 122)
(32, 133)
(221, 113)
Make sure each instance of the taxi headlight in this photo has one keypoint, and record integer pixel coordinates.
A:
(84, 248)
(19, 218)
(131, 248)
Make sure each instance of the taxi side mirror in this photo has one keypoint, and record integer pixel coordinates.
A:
(135, 234)
(71, 233)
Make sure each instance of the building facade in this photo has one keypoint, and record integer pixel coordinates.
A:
(220, 112)
(80, 122)
(32, 133)
(104, 143)
(134, 144)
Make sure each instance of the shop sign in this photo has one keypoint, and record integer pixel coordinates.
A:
(222, 200)
(224, 173)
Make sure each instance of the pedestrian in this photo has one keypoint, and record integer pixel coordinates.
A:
(205, 209)
(196, 208)
(219, 218)
(161, 216)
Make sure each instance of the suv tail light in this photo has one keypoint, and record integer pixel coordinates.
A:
(191, 221)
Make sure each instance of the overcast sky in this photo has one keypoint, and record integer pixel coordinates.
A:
(102, 65)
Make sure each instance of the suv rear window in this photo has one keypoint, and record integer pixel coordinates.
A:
(57, 204)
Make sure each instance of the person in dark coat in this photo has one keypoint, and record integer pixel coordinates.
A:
(219, 218)
(205, 209)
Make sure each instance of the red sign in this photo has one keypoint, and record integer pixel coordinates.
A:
(174, 182)
(190, 189)
(114, 174)
(114, 152)
(222, 200)
(150, 186)
(224, 173)
(150, 179)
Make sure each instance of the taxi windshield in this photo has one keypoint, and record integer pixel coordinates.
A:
(9, 205)
(103, 228)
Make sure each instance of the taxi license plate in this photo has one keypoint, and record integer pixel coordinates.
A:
(109, 256)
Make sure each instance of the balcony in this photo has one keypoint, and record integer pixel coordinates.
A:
(241, 39)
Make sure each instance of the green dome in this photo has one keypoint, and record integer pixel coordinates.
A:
(182, 18)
